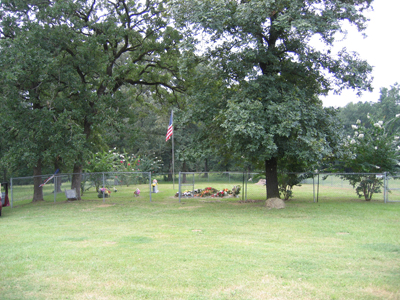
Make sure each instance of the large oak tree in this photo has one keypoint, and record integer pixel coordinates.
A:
(274, 58)
(77, 57)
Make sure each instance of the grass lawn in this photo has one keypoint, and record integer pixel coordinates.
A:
(131, 248)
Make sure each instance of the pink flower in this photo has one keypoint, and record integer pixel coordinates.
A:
(121, 162)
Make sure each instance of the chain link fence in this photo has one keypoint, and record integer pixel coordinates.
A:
(302, 186)
(314, 187)
(392, 188)
(93, 185)
(350, 186)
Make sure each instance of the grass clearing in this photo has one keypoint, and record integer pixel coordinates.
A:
(131, 248)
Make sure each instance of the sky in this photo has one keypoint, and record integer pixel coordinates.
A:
(380, 48)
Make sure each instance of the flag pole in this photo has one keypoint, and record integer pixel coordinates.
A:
(173, 160)
(170, 134)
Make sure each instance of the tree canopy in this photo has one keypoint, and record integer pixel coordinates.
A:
(385, 108)
(81, 77)
(272, 73)
(68, 62)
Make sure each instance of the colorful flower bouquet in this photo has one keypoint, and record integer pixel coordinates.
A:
(211, 192)
(154, 186)
(104, 191)
(187, 193)
(137, 192)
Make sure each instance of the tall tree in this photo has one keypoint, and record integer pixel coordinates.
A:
(273, 71)
(95, 47)
(352, 112)
(386, 108)
(388, 105)
(35, 128)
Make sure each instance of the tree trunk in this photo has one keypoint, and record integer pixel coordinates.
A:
(271, 174)
(58, 181)
(170, 171)
(184, 170)
(57, 177)
(37, 181)
(205, 169)
(76, 180)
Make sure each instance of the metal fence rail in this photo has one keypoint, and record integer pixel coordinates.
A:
(22, 188)
(322, 182)
(392, 189)
(317, 187)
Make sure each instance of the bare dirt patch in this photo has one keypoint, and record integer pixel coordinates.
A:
(251, 201)
(110, 243)
(261, 182)
(105, 205)
(215, 201)
(190, 207)
(381, 293)
(87, 209)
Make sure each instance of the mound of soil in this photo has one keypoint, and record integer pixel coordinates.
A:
(262, 182)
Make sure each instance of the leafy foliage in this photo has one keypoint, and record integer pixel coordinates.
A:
(292, 171)
(271, 74)
(67, 67)
(149, 164)
(122, 163)
(371, 149)
(102, 162)
(386, 108)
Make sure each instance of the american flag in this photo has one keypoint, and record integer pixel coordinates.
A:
(170, 130)
(48, 179)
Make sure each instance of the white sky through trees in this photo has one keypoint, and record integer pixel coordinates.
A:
(380, 48)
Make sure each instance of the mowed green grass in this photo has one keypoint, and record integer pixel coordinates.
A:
(131, 248)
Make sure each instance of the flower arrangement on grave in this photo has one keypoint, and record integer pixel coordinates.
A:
(207, 192)
(104, 191)
(137, 192)
(155, 182)
(220, 194)
(187, 193)
(211, 192)
(236, 190)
